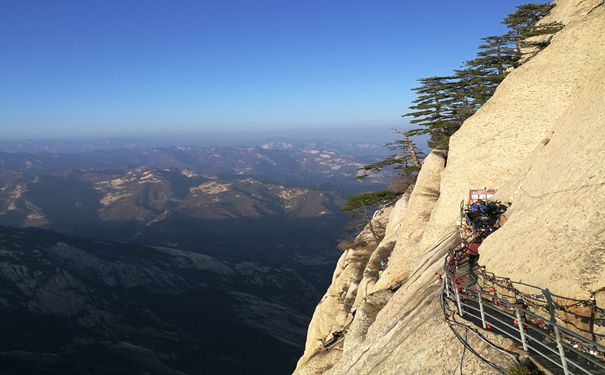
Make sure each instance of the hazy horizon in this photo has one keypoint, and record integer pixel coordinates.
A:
(354, 135)
(117, 69)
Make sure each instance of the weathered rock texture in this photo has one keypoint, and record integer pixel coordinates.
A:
(540, 140)
(333, 313)
(421, 204)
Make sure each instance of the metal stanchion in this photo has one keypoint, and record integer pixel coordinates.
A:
(561, 350)
(458, 300)
(553, 321)
(521, 328)
(481, 309)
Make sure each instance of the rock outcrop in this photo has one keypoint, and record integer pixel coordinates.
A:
(540, 141)
(333, 313)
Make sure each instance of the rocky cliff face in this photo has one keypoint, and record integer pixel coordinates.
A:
(540, 141)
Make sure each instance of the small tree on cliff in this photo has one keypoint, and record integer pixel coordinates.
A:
(365, 204)
(434, 110)
(406, 160)
(442, 104)
(495, 55)
(523, 24)
(481, 76)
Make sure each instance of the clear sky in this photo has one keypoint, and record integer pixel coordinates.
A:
(139, 67)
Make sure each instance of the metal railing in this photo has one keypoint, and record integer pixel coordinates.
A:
(543, 338)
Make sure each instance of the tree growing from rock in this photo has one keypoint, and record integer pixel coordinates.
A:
(434, 110)
(523, 25)
(443, 103)
(365, 204)
(406, 160)
(480, 77)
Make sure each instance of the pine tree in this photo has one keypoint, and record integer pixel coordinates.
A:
(522, 24)
(406, 160)
(442, 104)
(495, 55)
(434, 111)
(365, 204)
(469, 92)
(525, 17)
(477, 82)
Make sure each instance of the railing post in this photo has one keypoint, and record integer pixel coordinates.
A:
(593, 311)
(553, 322)
(521, 328)
(458, 300)
(561, 349)
(481, 309)
(446, 285)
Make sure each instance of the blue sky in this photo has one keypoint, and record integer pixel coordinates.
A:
(148, 67)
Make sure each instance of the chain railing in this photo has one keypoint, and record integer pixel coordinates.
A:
(555, 330)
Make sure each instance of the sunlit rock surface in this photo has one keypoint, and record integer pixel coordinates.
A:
(540, 141)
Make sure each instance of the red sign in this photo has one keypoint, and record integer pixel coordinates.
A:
(485, 194)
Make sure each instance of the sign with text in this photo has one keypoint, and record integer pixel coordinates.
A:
(485, 194)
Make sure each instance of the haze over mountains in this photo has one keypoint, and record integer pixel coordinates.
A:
(333, 137)
(170, 259)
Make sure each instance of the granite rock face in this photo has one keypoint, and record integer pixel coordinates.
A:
(333, 313)
(540, 141)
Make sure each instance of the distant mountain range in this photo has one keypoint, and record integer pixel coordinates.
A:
(277, 161)
(176, 208)
(144, 197)
(194, 255)
(180, 196)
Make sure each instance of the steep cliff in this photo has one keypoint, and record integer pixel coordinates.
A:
(540, 141)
